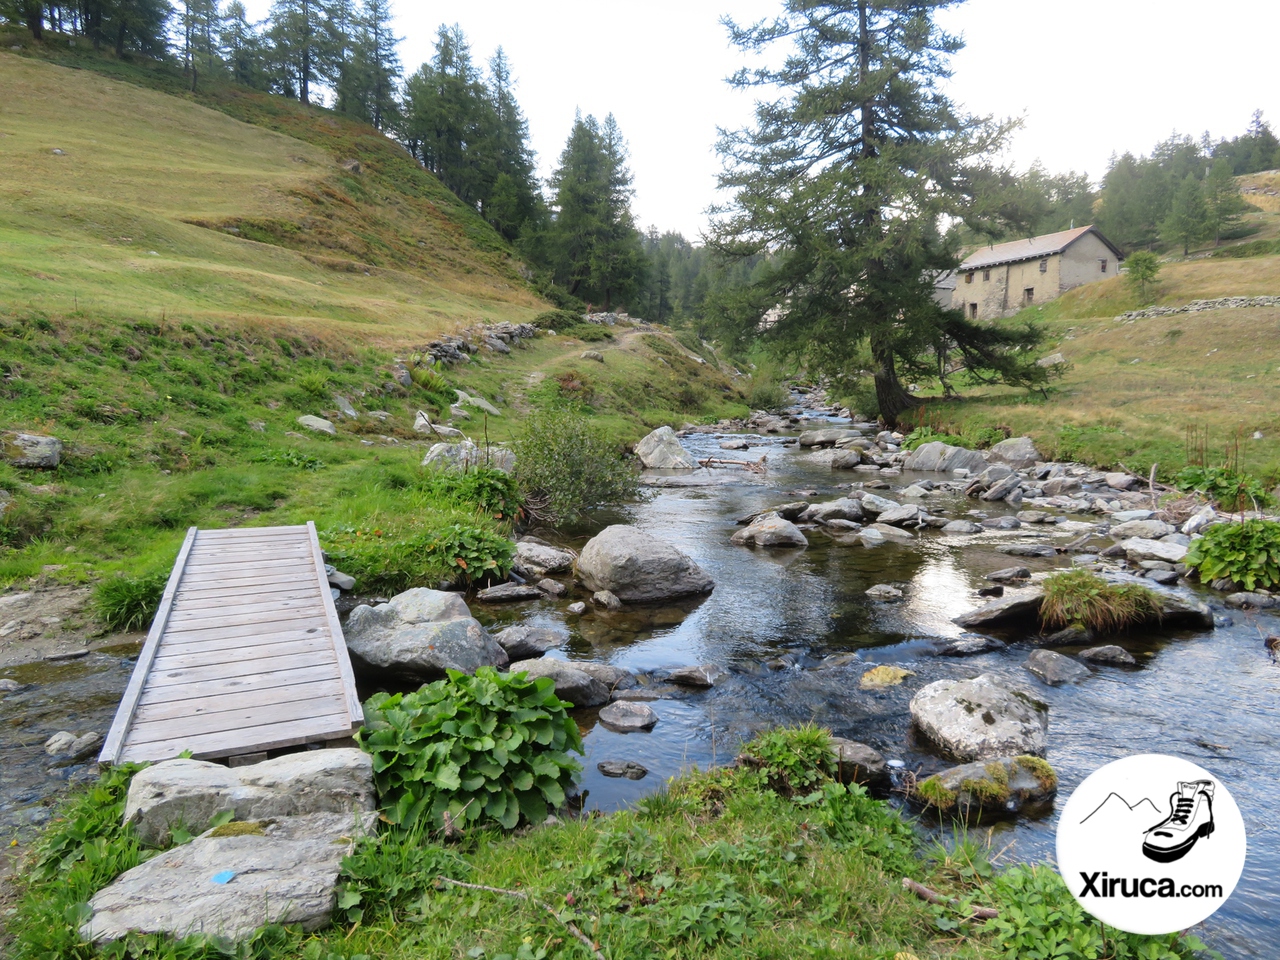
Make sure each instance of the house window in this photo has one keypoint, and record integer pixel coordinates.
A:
(986, 274)
(973, 311)
(968, 277)
(1044, 266)
(1029, 295)
(1102, 264)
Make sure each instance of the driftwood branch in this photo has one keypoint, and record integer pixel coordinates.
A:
(521, 895)
(933, 896)
(755, 466)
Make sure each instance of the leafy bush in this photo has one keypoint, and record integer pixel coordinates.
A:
(314, 384)
(492, 490)
(557, 320)
(485, 749)
(1081, 597)
(129, 603)
(793, 760)
(389, 561)
(766, 392)
(926, 434)
(565, 465)
(480, 554)
(1247, 552)
(1230, 489)
(590, 332)
(851, 818)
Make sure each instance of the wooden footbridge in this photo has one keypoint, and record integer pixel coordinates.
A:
(245, 654)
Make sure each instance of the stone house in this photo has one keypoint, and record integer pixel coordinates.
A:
(999, 280)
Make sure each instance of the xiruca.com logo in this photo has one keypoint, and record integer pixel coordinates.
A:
(1151, 844)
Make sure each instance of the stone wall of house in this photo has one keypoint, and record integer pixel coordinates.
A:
(1081, 262)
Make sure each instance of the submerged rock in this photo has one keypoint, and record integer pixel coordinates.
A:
(770, 530)
(623, 768)
(1109, 653)
(700, 675)
(639, 568)
(1055, 669)
(1002, 786)
(980, 718)
(887, 675)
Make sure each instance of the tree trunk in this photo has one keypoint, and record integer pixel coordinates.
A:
(890, 397)
(120, 41)
(35, 19)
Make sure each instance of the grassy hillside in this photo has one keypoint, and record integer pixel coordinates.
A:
(162, 207)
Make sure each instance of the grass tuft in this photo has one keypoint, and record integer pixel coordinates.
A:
(1081, 597)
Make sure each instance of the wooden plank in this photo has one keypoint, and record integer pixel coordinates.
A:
(319, 644)
(232, 533)
(354, 706)
(221, 585)
(236, 548)
(249, 586)
(222, 671)
(195, 690)
(165, 709)
(172, 646)
(235, 719)
(247, 740)
(248, 568)
(190, 632)
(252, 606)
(256, 598)
(129, 702)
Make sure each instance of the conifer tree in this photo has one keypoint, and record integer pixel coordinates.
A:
(1188, 220)
(843, 180)
(304, 45)
(1223, 202)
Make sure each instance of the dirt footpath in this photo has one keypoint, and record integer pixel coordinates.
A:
(49, 622)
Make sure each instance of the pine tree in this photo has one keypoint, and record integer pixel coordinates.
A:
(305, 45)
(369, 67)
(1188, 219)
(1223, 202)
(242, 47)
(514, 199)
(843, 181)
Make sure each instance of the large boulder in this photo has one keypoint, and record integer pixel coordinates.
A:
(980, 718)
(828, 437)
(1000, 787)
(661, 450)
(538, 559)
(191, 792)
(524, 642)
(578, 687)
(1017, 452)
(421, 633)
(453, 457)
(1138, 549)
(628, 716)
(770, 530)
(1143, 529)
(318, 424)
(943, 457)
(30, 450)
(639, 568)
(843, 509)
(232, 880)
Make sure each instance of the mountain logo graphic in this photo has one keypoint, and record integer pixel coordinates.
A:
(1190, 818)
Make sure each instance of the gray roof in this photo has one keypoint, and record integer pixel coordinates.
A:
(1032, 248)
(944, 280)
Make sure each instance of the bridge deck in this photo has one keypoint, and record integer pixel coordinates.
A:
(245, 653)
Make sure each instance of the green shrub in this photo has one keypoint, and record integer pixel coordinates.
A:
(926, 434)
(488, 749)
(1255, 248)
(314, 384)
(129, 603)
(589, 332)
(1081, 597)
(793, 760)
(1247, 552)
(565, 465)
(389, 561)
(1230, 489)
(290, 458)
(386, 874)
(492, 490)
(767, 394)
(480, 554)
(557, 320)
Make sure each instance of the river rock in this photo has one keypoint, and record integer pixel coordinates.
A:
(1140, 548)
(968, 646)
(770, 530)
(287, 874)
(509, 593)
(1002, 489)
(639, 568)
(901, 515)
(421, 633)
(1055, 669)
(792, 511)
(539, 559)
(882, 676)
(897, 534)
(979, 718)
(623, 768)
(30, 450)
(883, 591)
(877, 505)
(827, 437)
(1001, 523)
(1009, 575)
(1021, 607)
(318, 424)
(1027, 550)
(701, 675)
(962, 526)
(1143, 529)
(737, 443)
(1245, 600)
(858, 763)
(1206, 516)
(843, 509)
(1002, 786)
(1110, 653)
(60, 743)
(1017, 452)
(191, 792)
(846, 459)
(942, 457)
(628, 716)
(661, 450)
(572, 684)
(578, 608)
(606, 599)
(1057, 486)
(523, 642)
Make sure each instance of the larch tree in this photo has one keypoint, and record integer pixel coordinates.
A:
(1188, 219)
(1222, 199)
(845, 180)
(304, 45)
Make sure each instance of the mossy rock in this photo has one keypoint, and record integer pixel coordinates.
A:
(883, 676)
(990, 788)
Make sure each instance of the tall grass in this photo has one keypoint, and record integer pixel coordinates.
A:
(1084, 598)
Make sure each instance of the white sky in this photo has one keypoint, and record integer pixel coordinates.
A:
(1089, 78)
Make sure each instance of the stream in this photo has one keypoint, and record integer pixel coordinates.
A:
(1210, 697)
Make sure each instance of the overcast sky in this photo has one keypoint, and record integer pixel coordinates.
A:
(1088, 78)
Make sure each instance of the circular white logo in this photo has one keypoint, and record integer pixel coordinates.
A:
(1151, 844)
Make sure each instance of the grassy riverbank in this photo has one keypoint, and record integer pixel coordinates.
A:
(728, 863)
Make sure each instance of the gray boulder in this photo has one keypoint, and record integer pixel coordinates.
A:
(1009, 575)
(30, 450)
(1019, 608)
(318, 424)
(523, 642)
(877, 505)
(1002, 787)
(858, 763)
(1055, 669)
(639, 568)
(962, 526)
(846, 459)
(285, 871)
(628, 716)
(421, 633)
(623, 768)
(344, 406)
(661, 450)
(942, 457)
(1143, 529)
(1110, 653)
(1017, 452)
(901, 515)
(509, 593)
(540, 559)
(190, 793)
(1138, 549)
(980, 718)
(572, 684)
(479, 403)
(770, 530)
(1002, 489)
(843, 509)
(453, 457)
(702, 675)
(883, 591)
(828, 437)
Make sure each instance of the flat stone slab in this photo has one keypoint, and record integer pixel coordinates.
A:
(229, 886)
(628, 716)
(509, 593)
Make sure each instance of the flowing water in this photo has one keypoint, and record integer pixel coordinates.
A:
(1210, 697)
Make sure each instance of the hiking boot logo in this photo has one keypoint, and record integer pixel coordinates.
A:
(1190, 818)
